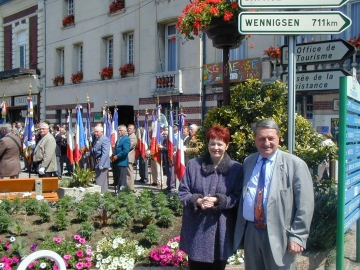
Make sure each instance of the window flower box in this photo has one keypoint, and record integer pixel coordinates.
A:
(68, 20)
(116, 6)
(127, 69)
(77, 77)
(58, 80)
(106, 73)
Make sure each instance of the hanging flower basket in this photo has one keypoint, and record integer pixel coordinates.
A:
(223, 33)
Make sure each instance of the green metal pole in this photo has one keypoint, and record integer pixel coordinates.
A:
(340, 238)
(358, 240)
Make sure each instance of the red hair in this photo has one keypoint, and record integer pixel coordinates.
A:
(217, 131)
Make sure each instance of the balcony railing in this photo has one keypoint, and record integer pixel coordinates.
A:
(167, 83)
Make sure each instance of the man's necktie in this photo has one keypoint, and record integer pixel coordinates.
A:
(259, 215)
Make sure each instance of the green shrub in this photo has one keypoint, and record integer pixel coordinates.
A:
(6, 206)
(66, 203)
(165, 217)
(4, 221)
(83, 211)
(86, 230)
(18, 228)
(323, 227)
(62, 220)
(31, 206)
(145, 215)
(81, 177)
(44, 211)
(121, 218)
(152, 234)
(176, 205)
(161, 201)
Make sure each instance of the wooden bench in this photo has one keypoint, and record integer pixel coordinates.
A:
(16, 188)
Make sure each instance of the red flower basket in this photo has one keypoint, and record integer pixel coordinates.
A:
(68, 20)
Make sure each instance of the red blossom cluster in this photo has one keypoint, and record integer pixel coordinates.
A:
(355, 41)
(199, 13)
(273, 52)
(127, 68)
(69, 19)
(106, 72)
(77, 77)
(116, 5)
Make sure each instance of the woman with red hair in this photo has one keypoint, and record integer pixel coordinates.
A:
(210, 191)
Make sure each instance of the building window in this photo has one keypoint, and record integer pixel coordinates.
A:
(130, 48)
(239, 53)
(58, 117)
(70, 7)
(21, 55)
(309, 107)
(171, 48)
(60, 59)
(79, 49)
(109, 51)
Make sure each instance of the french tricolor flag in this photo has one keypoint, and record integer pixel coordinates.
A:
(80, 139)
(70, 141)
(179, 167)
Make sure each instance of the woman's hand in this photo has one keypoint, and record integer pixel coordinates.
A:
(207, 202)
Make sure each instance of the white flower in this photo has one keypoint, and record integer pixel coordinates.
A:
(81, 189)
(12, 239)
(115, 245)
(1, 265)
(99, 257)
(42, 265)
(26, 194)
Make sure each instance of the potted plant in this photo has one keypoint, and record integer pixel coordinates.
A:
(58, 80)
(77, 77)
(218, 19)
(80, 183)
(273, 52)
(116, 5)
(106, 73)
(68, 20)
(127, 68)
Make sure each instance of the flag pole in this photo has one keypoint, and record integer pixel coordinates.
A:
(31, 160)
(3, 112)
(159, 123)
(173, 156)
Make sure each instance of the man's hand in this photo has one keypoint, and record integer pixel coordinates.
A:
(42, 171)
(101, 167)
(294, 248)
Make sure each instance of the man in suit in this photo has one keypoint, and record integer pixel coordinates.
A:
(9, 153)
(100, 153)
(131, 156)
(273, 239)
(167, 166)
(120, 158)
(44, 153)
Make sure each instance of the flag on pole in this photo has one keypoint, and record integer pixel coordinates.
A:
(107, 126)
(88, 127)
(80, 139)
(170, 141)
(105, 117)
(145, 138)
(70, 141)
(138, 137)
(153, 134)
(156, 136)
(114, 129)
(4, 110)
(180, 155)
(29, 134)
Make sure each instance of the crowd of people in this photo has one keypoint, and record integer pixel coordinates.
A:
(264, 205)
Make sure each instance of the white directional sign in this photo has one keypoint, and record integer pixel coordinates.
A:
(290, 4)
(318, 80)
(321, 52)
(293, 23)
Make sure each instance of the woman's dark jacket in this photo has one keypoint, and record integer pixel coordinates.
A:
(207, 235)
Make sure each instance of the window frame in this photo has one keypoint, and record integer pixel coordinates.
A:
(130, 47)
(62, 61)
(167, 38)
(80, 58)
(109, 52)
(70, 7)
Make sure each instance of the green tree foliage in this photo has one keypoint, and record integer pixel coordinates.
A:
(253, 101)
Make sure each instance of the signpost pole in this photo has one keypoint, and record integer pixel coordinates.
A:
(358, 240)
(340, 237)
(291, 94)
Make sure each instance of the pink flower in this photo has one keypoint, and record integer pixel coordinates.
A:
(31, 265)
(177, 238)
(79, 265)
(79, 254)
(57, 240)
(82, 240)
(88, 252)
(88, 259)
(16, 259)
(7, 246)
(55, 267)
(77, 237)
(88, 265)
(67, 257)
